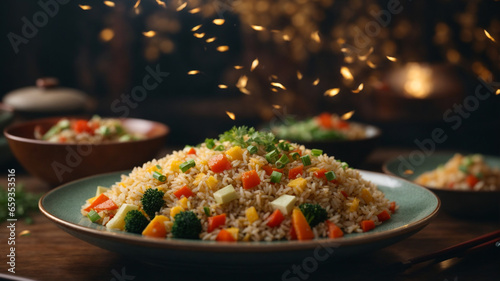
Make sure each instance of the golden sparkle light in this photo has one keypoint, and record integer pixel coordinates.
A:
(106, 34)
(223, 48)
(408, 172)
(276, 106)
(137, 4)
(497, 92)
(195, 10)
(109, 3)
(391, 58)
(332, 92)
(418, 82)
(299, 75)
(316, 82)
(85, 7)
(199, 35)
(25, 233)
(219, 21)
(315, 36)
(274, 90)
(150, 33)
(242, 82)
(489, 36)
(371, 64)
(359, 89)
(286, 37)
(347, 115)
(211, 39)
(181, 7)
(222, 86)
(255, 63)
(244, 91)
(161, 3)
(196, 28)
(193, 72)
(257, 27)
(278, 85)
(238, 67)
(231, 115)
(346, 73)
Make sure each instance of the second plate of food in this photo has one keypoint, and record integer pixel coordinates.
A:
(468, 185)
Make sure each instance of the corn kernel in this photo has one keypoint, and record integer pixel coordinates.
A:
(183, 202)
(298, 184)
(354, 205)
(246, 238)
(91, 200)
(251, 214)
(174, 166)
(175, 210)
(234, 232)
(235, 152)
(313, 169)
(366, 195)
(211, 182)
(198, 178)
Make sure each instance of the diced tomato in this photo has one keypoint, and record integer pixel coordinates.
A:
(392, 207)
(250, 179)
(275, 218)
(216, 221)
(183, 191)
(219, 163)
(81, 126)
(325, 120)
(293, 234)
(269, 170)
(367, 225)
(471, 180)
(333, 230)
(225, 236)
(192, 151)
(344, 193)
(383, 216)
(294, 172)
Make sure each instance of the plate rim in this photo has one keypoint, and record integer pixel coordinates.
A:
(388, 172)
(256, 246)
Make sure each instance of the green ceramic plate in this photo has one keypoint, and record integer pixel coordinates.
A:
(62, 205)
(471, 204)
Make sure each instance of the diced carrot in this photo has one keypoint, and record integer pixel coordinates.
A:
(192, 151)
(301, 226)
(367, 225)
(341, 124)
(250, 179)
(325, 120)
(81, 126)
(99, 200)
(293, 234)
(269, 170)
(156, 228)
(344, 193)
(225, 236)
(471, 180)
(62, 139)
(219, 163)
(275, 219)
(106, 205)
(294, 172)
(383, 216)
(216, 221)
(320, 174)
(333, 230)
(392, 207)
(183, 191)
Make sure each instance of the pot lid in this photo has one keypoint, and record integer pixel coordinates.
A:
(47, 96)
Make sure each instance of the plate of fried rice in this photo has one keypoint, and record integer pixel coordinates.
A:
(468, 184)
(239, 196)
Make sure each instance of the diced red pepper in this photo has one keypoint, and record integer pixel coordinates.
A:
(344, 193)
(219, 163)
(367, 225)
(81, 126)
(192, 151)
(383, 216)
(471, 181)
(216, 221)
(333, 230)
(183, 191)
(269, 170)
(293, 234)
(102, 202)
(325, 120)
(392, 207)
(320, 174)
(275, 218)
(225, 236)
(294, 172)
(250, 179)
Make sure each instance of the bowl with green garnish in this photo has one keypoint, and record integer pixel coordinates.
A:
(62, 149)
(348, 141)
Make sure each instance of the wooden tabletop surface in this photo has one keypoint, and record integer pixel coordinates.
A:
(49, 253)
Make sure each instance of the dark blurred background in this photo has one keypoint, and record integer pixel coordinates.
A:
(411, 62)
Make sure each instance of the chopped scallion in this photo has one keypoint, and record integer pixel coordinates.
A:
(272, 156)
(330, 176)
(158, 166)
(344, 165)
(252, 149)
(463, 169)
(93, 216)
(316, 152)
(295, 156)
(207, 211)
(187, 165)
(284, 146)
(157, 175)
(210, 143)
(276, 177)
(282, 161)
(220, 148)
(306, 160)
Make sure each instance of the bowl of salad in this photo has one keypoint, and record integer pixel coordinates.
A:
(62, 149)
(350, 142)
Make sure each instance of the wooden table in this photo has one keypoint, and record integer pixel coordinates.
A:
(51, 254)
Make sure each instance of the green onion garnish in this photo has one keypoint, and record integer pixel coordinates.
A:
(467, 161)
(479, 175)
(157, 175)
(295, 156)
(272, 156)
(284, 146)
(344, 165)
(93, 216)
(306, 160)
(187, 146)
(104, 130)
(282, 161)
(252, 149)
(187, 165)
(316, 152)
(207, 211)
(220, 148)
(276, 177)
(158, 166)
(463, 169)
(210, 143)
(330, 176)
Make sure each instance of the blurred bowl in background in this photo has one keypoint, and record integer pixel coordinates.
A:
(6, 116)
(461, 203)
(57, 163)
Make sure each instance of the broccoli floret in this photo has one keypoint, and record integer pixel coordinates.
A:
(314, 213)
(186, 225)
(135, 222)
(152, 201)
